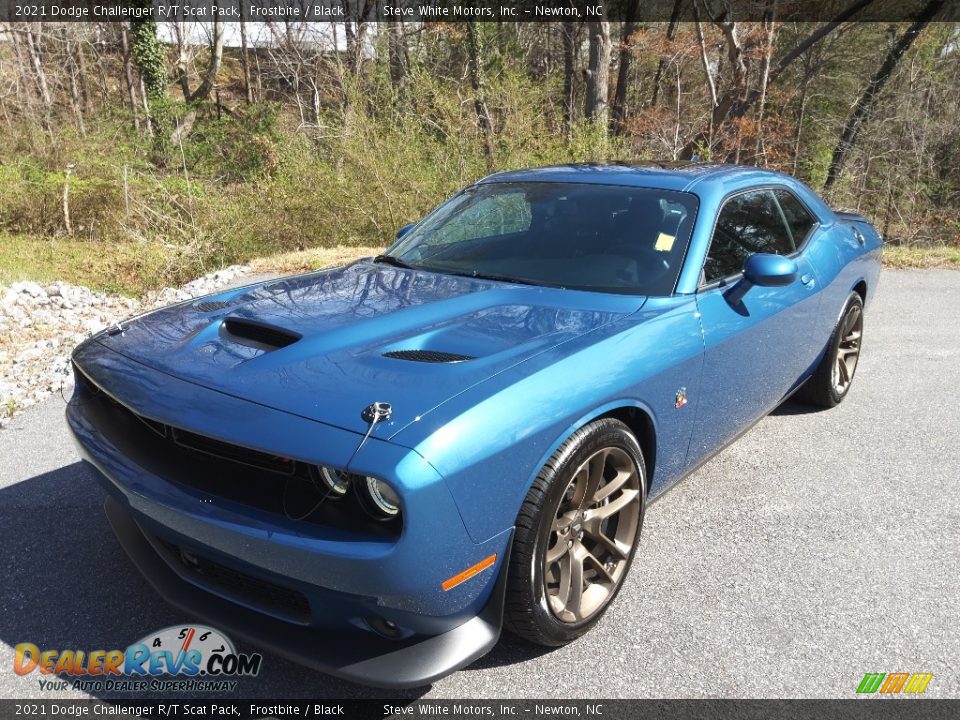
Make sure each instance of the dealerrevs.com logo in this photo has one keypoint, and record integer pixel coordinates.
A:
(180, 658)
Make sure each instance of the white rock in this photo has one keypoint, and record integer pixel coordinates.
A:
(28, 287)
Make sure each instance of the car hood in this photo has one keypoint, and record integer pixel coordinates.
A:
(317, 345)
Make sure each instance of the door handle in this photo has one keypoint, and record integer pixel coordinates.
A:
(808, 280)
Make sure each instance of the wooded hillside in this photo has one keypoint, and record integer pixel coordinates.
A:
(141, 154)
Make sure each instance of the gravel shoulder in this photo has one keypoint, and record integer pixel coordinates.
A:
(819, 547)
(41, 324)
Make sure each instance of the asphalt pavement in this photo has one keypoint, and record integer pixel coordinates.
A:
(820, 546)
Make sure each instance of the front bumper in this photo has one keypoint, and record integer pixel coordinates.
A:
(361, 657)
(364, 608)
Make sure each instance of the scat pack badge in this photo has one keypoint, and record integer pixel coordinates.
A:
(179, 658)
(681, 398)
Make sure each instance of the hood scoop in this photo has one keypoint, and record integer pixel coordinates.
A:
(428, 356)
(257, 335)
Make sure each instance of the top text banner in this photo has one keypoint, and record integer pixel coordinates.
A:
(469, 10)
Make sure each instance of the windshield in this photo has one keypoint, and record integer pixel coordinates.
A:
(606, 238)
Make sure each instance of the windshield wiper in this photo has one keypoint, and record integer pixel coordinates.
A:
(491, 276)
(391, 260)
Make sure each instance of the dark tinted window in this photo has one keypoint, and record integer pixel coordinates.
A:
(748, 223)
(798, 217)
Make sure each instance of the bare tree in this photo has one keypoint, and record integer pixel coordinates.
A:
(598, 71)
(245, 56)
(397, 49)
(569, 34)
(861, 109)
(661, 63)
(623, 69)
(213, 67)
(476, 84)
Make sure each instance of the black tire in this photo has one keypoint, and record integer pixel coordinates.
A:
(530, 611)
(822, 387)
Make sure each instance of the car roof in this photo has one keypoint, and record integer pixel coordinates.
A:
(679, 175)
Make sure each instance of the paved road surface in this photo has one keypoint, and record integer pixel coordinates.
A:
(821, 546)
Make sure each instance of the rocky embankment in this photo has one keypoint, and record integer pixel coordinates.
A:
(41, 324)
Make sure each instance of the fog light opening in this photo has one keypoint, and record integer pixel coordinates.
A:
(385, 628)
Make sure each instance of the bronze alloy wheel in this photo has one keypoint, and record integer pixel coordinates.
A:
(576, 534)
(592, 535)
(848, 351)
(830, 382)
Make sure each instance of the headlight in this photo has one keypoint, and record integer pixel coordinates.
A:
(380, 500)
(334, 482)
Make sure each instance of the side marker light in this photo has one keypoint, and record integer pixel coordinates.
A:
(462, 577)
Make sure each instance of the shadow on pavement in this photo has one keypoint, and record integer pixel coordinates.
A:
(796, 407)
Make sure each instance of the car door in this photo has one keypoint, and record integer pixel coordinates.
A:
(758, 346)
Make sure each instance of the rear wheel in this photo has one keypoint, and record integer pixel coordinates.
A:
(576, 534)
(831, 381)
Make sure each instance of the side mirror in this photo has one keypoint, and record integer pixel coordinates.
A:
(404, 230)
(768, 270)
(763, 270)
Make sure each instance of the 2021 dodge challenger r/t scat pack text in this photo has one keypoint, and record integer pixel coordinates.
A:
(371, 469)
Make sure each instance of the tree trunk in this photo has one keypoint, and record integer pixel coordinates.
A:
(397, 43)
(661, 64)
(33, 47)
(705, 61)
(623, 70)
(149, 54)
(768, 21)
(213, 68)
(128, 78)
(799, 132)
(598, 71)
(101, 65)
(146, 106)
(569, 32)
(76, 102)
(857, 119)
(85, 94)
(476, 83)
(182, 60)
(244, 56)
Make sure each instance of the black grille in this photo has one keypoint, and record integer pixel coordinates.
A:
(256, 591)
(427, 356)
(282, 486)
(229, 451)
(202, 443)
(211, 305)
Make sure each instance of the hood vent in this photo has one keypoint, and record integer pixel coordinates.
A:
(211, 305)
(258, 335)
(427, 356)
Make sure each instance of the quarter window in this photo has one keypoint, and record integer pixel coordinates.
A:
(799, 219)
(748, 223)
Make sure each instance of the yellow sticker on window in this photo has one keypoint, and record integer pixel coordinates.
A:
(664, 242)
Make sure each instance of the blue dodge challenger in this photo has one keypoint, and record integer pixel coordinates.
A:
(371, 469)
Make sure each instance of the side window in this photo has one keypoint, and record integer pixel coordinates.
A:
(799, 219)
(748, 223)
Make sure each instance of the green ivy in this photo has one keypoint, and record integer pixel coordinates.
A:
(149, 55)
